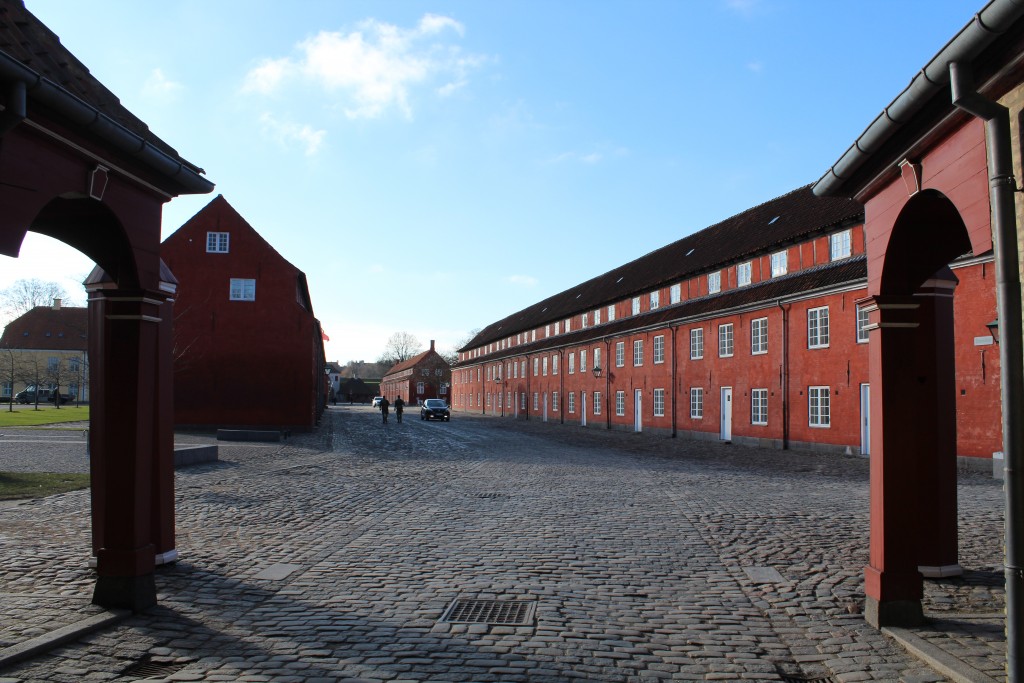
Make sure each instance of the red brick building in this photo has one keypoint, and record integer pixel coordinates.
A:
(750, 331)
(426, 375)
(248, 351)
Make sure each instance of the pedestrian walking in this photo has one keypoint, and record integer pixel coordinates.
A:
(384, 409)
(399, 405)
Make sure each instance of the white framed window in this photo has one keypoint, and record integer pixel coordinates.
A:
(597, 403)
(515, 370)
(659, 349)
(675, 294)
(817, 327)
(243, 289)
(558, 327)
(839, 246)
(52, 364)
(743, 274)
(583, 360)
(597, 316)
(636, 305)
(819, 406)
(522, 372)
(697, 343)
(585, 319)
(544, 367)
(758, 336)
(725, 340)
(780, 265)
(620, 354)
(597, 357)
(638, 352)
(419, 387)
(572, 362)
(862, 325)
(696, 403)
(659, 403)
(571, 396)
(620, 403)
(611, 313)
(554, 401)
(714, 282)
(758, 406)
(217, 242)
(568, 325)
(536, 401)
(655, 299)
(547, 331)
(554, 364)
(536, 366)
(488, 373)
(522, 401)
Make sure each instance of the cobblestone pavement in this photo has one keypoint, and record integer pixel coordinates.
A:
(333, 557)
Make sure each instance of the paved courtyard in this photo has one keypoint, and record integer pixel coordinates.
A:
(334, 556)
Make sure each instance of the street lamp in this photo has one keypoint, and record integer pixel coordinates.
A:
(597, 371)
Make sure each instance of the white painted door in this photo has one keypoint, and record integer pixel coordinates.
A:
(638, 411)
(865, 419)
(726, 413)
(583, 407)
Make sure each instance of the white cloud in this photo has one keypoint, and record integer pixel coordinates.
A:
(287, 133)
(159, 87)
(522, 280)
(373, 68)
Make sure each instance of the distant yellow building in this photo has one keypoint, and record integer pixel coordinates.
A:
(47, 348)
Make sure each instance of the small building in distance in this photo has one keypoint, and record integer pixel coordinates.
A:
(47, 346)
(427, 375)
(248, 351)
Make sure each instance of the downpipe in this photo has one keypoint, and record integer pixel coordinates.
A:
(1011, 349)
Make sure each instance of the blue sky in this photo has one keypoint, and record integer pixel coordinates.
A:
(436, 166)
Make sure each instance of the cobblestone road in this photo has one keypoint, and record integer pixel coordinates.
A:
(334, 556)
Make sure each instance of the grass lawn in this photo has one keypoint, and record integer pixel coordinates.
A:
(29, 417)
(15, 485)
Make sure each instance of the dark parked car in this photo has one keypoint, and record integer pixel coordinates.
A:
(45, 396)
(435, 408)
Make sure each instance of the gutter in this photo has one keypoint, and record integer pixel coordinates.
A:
(87, 117)
(990, 23)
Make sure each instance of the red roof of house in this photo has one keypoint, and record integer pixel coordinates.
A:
(48, 328)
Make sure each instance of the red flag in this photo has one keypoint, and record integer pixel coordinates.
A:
(324, 335)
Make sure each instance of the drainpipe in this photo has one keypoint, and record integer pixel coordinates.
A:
(607, 383)
(785, 375)
(675, 392)
(1011, 359)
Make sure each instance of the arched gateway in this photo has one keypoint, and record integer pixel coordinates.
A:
(77, 166)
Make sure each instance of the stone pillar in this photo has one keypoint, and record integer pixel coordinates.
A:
(124, 338)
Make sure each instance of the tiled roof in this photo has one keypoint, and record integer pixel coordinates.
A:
(48, 328)
(29, 41)
(787, 219)
(848, 271)
(410, 363)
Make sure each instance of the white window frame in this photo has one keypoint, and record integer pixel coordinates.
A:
(597, 316)
(536, 366)
(659, 403)
(572, 401)
(817, 327)
(659, 349)
(638, 352)
(715, 282)
(758, 336)
(726, 340)
(636, 305)
(696, 403)
(536, 401)
(620, 354)
(620, 403)
(780, 263)
(759, 407)
(675, 294)
(554, 401)
(863, 319)
(611, 313)
(583, 361)
(544, 366)
(572, 362)
(218, 242)
(554, 364)
(655, 299)
(840, 245)
(696, 343)
(597, 403)
(743, 274)
(819, 407)
(242, 289)
(585, 319)
(597, 356)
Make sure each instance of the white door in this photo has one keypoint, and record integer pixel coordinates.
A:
(545, 406)
(865, 419)
(638, 411)
(726, 413)
(583, 407)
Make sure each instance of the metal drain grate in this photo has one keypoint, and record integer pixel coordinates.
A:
(493, 612)
(806, 679)
(147, 668)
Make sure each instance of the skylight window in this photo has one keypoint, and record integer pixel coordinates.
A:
(773, 220)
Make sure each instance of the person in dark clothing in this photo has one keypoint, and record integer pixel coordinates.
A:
(384, 409)
(399, 405)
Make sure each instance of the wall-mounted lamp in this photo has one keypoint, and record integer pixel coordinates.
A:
(597, 371)
(993, 329)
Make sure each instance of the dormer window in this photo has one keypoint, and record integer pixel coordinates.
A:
(743, 274)
(839, 245)
(779, 264)
(714, 282)
(217, 242)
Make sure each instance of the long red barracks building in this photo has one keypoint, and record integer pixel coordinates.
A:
(751, 331)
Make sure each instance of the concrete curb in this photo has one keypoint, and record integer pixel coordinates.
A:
(44, 643)
(953, 668)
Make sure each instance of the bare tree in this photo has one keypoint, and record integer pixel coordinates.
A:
(24, 295)
(451, 355)
(401, 346)
(10, 372)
